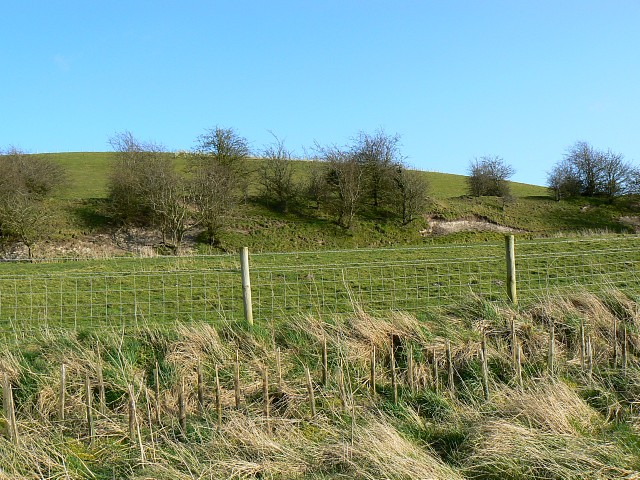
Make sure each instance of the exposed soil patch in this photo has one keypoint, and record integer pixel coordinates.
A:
(438, 226)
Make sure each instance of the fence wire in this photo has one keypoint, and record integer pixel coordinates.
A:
(317, 283)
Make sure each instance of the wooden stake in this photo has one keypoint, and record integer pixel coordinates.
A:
(625, 353)
(394, 379)
(182, 411)
(582, 345)
(87, 398)
(436, 374)
(312, 398)
(200, 390)
(265, 396)
(102, 397)
(552, 349)
(519, 364)
(325, 362)
(514, 341)
(342, 391)
(615, 341)
(511, 269)
(485, 367)
(9, 410)
(63, 391)
(452, 385)
(132, 415)
(279, 368)
(246, 285)
(410, 370)
(218, 400)
(372, 372)
(236, 382)
(589, 357)
(156, 386)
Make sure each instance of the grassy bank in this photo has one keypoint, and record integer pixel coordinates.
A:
(576, 419)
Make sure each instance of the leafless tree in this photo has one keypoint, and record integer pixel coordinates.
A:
(411, 193)
(563, 180)
(26, 181)
(145, 189)
(488, 176)
(379, 154)
(219, 178)
(276, 176)
(592, 172)
(345, 182)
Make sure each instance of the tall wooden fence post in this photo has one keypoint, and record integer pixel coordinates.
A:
(246, 285)
(511, 269)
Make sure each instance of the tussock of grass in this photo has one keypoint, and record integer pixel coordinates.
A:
(566, 425)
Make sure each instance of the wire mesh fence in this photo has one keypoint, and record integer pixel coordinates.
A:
(209, 289)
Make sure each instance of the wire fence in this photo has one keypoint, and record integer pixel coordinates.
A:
(209, 289)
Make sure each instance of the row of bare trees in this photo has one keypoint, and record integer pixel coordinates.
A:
(146, 189)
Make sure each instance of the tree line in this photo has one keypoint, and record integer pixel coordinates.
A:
(146, 189)
(367, 177)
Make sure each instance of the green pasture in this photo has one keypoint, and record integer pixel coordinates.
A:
(134, 291)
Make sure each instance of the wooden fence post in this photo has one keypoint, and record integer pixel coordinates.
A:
(485, 367)
(88, 394)
(63, 391)
(511, 269)
(246, 285)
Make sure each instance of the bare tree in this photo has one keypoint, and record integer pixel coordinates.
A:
(488, 176)
(411, 193)
(593, 172)
(346, 184)
(563, 180)
(145, 189)
(378, 154)
(276, 176)
(219, 178)
(26, 181)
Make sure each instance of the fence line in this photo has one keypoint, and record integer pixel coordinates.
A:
(412, 279)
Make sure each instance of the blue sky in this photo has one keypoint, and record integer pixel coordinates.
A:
(455, 79)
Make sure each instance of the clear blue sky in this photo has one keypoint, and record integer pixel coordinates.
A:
(456, 79)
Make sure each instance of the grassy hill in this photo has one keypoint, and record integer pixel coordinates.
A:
(80, 211)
